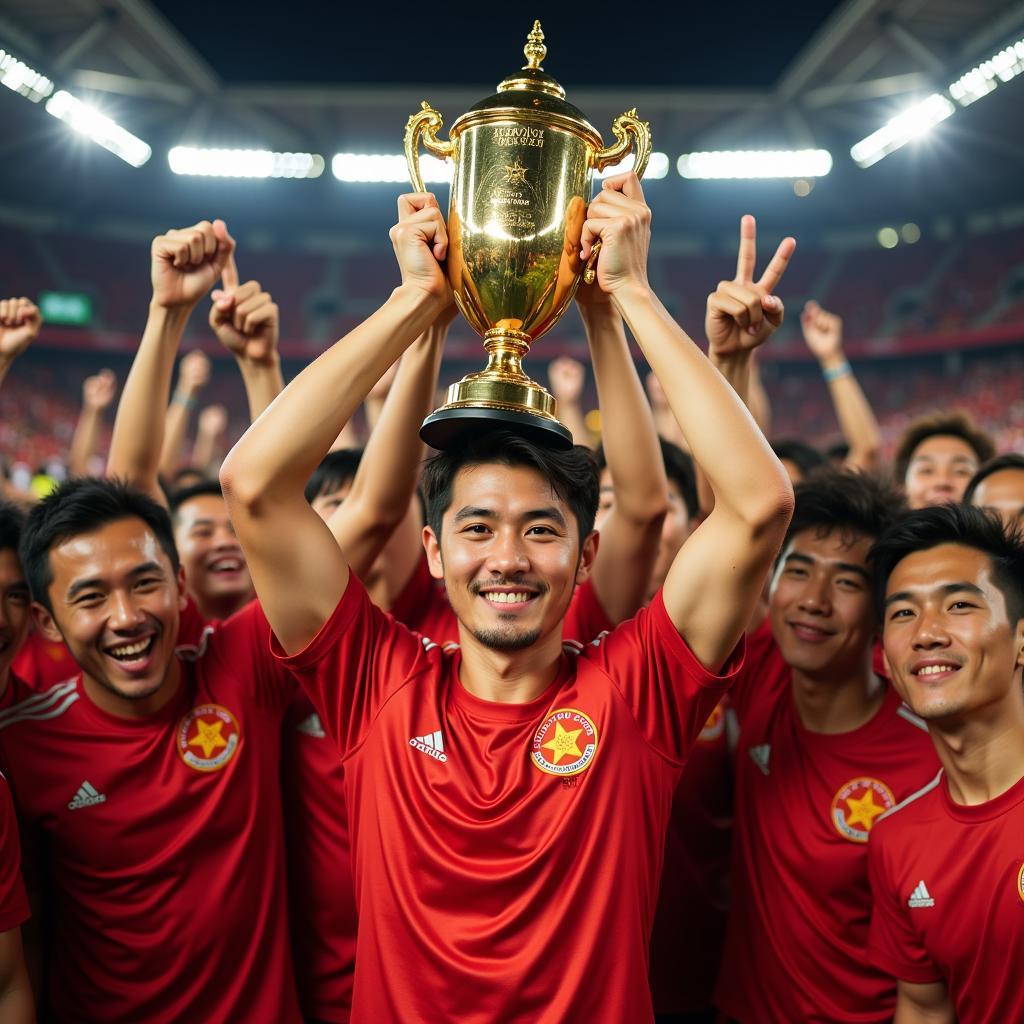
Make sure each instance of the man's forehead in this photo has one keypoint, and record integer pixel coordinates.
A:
(202, 506)
(495, 483)
(944, 445)
(109, 545)
(939, 566)
(829, 544)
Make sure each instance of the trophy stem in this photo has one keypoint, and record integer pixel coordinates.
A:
(505, 348)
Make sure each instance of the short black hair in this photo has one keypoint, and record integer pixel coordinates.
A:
(805, 457)
(854, 504)
(940, 424)
(197, 490)
(996, 465)
(678, 468)
(965, 525)
(12, 522)
(573, 474)
(335, 470)
(82, 505)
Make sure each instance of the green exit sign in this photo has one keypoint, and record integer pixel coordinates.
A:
(66, 308)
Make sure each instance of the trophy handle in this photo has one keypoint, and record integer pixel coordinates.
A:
(427, 123)
(624, 126)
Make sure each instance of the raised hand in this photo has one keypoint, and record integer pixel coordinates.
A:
(823, 332)
(244, 317)
(98, 390)
(193, 373)
(743, 313)
(566, 377)
(187, 262)
(20, 321)
(621, 219)
(213, 421)
(420, 241)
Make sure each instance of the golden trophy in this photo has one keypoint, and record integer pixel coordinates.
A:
(523, 160)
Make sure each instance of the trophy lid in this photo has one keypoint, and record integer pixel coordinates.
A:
(533, 89)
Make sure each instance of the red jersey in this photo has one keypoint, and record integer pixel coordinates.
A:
(805, 805)
(948, 883)
(689, 926)
(13, 900)
(41, 663)
(506, 856)
(160, 841)
(423, 607)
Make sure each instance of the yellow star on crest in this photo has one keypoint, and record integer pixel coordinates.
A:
(515, 174)
(563, 744)
(863, 811)
(208, 737)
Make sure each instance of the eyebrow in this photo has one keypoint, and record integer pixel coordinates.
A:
(476, 512)
(946, 589)
(795, 556)
(97, 581)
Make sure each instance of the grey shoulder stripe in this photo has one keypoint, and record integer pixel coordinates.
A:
(35, 714)
(41, 700)
(913, 796)
(904, 712)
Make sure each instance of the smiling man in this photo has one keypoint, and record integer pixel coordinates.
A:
(160, 818)
(824, 748)
(947, 865)
(508, 797)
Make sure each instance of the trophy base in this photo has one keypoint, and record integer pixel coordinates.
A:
(448, 427)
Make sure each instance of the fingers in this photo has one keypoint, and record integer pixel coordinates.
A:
(742, 303)
(746, 256)
(628, 184)
(412, 202)
(422, 223)
(777, 267)
(593, 227)
(18, 311)
(774, 310)
(229, 275)
(255, 312)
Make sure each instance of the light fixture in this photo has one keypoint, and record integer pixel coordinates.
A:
(912, 123)
(244, 163)
(1003, 66)
(22, 79)
(756, 163)
(97, 126)
(888, 238)
(657, 167)
(387, 167)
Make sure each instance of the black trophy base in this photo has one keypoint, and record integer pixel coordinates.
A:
(448, 428)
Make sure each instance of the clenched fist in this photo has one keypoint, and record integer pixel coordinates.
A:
(187, 262)
(245, 318)
(98, 390)
(823, 332)
(420, 241)
(20, 321)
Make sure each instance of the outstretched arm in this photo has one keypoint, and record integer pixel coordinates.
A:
(566, 378)
(97, 393)
(185, 265)
(823, 332)
(298, 569)
(715, 580)
(385, 482)
(632, 530)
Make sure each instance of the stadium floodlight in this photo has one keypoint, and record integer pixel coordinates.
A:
(1003, 66)
(756, 163)
(387, 167)
(657, 167)
(899, 130)
(22, 79)
(244, 163)
(98, 127)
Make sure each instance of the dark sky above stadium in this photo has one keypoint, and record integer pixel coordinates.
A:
(687, 44)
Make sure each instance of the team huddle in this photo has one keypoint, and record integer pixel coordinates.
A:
(690, 726)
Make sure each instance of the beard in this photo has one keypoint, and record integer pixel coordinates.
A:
(507, 639)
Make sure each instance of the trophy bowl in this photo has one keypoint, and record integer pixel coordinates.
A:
(523, 164)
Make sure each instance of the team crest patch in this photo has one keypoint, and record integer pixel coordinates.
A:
(565, 744)
(857, 805)
(208, 737)
(1020, 883)
(714, 726)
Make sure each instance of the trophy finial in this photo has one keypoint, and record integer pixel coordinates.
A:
(535, 49)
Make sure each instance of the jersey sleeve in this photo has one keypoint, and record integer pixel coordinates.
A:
(352, 667)
(586, 619)
(893, 945)
(760, 647)
(668, 691)
(13, 899)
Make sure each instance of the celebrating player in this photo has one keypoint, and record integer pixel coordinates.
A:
(508, 801)
(999, 485)
(947, 865)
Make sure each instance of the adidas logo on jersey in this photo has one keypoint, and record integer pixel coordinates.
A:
(86, 796)
(759, 755)
(432, 744)
(312, 726)
(920, 897)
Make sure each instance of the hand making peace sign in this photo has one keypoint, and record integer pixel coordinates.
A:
(743, 313)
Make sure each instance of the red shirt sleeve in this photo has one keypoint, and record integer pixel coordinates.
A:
(13, 900)
(586, 619)
(893, 945)
(352, 667)
(668, 691)
(760, 647)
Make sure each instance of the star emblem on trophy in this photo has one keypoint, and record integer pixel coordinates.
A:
(515, 174)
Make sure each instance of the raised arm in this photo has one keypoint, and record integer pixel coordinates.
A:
(298, 569)
(20, 323)
(823, 332)
(184, 267)
(631, 533)
(193, 376)
(373, 516)
(246, 321)
(210, 429)
(566, 378)
(97, 393)
(715, 580)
